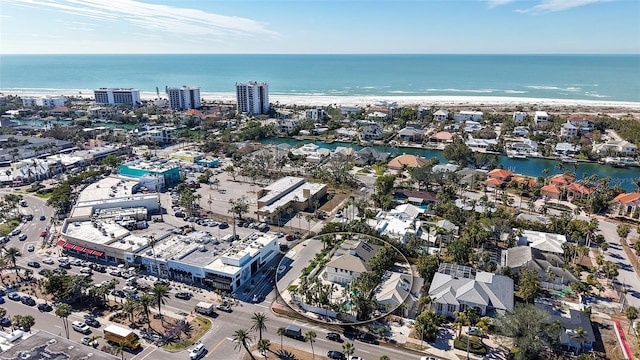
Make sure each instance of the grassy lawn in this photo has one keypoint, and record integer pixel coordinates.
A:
(44, 196)
(200, 325)
(7, 227)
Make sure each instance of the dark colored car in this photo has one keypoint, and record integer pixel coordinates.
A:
(28, 300)
(33, 264)
(14, 296)
(99, 268)
(2, 292)
(44, 307)
(368, 338)
(351, 332)
(5, 322)
(334, 337)
(336, 355)
(93, 322)
(1, 300)
(184, 295)
(65, 265)
(223, 225)
(118, 293)
(42, 217)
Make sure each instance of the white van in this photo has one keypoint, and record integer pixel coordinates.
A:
(197, 352)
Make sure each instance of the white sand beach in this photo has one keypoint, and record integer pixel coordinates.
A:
(325, 100)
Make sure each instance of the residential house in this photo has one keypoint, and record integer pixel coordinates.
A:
(59, 111)
(534, 218)
(349, 110)
(399, 222)
(464, 116)
(393, 291)
(472, 126)
(521, 131)
(372, 132)
(563, 148)
(316, 114)
(442, 137)
(550, 266)
(568, 130)
(376, 116)
(540, 117)
(369, 155)
(444, 168)
(500, 174)
(570, 320)
(349, 261)
(343, 152)
(550, 192)
(441, 115)
(519, 116)
(626, 204)
(545, 242)
(584, 124)
(345, 134)
(561, 180)
(577, 191)
(417, 198)
(312, 152)
(406, 161)
(411, 134)
(524, 147)
(474, 143)
(286, 125)
(613, 147)
(455, 288)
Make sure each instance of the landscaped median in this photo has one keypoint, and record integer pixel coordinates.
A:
(199, 326)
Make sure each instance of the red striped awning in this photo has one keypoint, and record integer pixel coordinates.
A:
(97, 253)
(68, 246)
(87, 250)
(61, 242)
(77, 248)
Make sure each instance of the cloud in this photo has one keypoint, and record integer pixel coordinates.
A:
(496, 3)
(158, 18)
(547, 6)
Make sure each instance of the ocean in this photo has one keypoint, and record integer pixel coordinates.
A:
(573, 77)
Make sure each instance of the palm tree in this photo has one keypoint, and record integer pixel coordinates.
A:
(348, 349)
(310, 336)
(11, 254)
(580, 334)
(259, 320)
(145, 302)
(263, 346)
(63, 311)
(93, 338)
(120, 349)
(242, 339)
(281, 332)
(160, 294)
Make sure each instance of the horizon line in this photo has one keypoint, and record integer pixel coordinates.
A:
(333, 54)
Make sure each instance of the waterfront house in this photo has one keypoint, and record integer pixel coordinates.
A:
(524, 147)
(568, 130)
(441, 115)
(444, 168)
(564, 148)
(561, 180)
(540, 117)
(399, 222)
(376, 116)
(311, 152)
(612, 147)
(345, 134)
(521, 131)
(343, 152)
(406, 161)
(626, 204)
(59, 111)
(286, 125)
(316, 114)
(472, 126)
(417, 198)
(369, 155)
(455, 288)
(550, 192)
(371, 132)
(578, 191)
(584, 124)
(464, 116)
(442, 137)
(480, 143)
(411, 134)
(500, 174)
(519, 116)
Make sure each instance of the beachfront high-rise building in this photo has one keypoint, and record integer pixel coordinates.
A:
(252, 97)
(183, 98)
(117, 96)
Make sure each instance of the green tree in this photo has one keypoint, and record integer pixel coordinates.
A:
(529, 284)
(530, 330)
(348, 349)
(310, 336)
(3, 314)
(385, 357)
(264, 346)
(111, 161)
(25, 322)
(259, 323)
(631, 313)
(623, 231)
(160, 294)
(459, 251)
(281, 331)
(12, 255)
(428, 266)
(427, 325)
(458, 152)
(64, 311)
(241, 339)
(239, 206)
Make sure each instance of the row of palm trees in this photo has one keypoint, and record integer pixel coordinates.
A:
(242, 338)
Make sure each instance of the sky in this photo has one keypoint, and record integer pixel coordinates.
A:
(320, 26)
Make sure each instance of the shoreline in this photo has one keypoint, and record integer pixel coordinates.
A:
(361, 100)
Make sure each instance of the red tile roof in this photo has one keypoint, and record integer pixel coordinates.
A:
(499, 173)
(627, 198)
(561, 179)
(579, 188)
(550, 189)
(494, 181)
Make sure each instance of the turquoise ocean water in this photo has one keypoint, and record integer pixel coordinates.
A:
(580, 77)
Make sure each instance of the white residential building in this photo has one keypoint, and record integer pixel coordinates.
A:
(545, 242)
(521, 131)
(316, 114)
(584, 124)
(399, 222)
(468, 116)
(519, 116)
(568, 130)
(183, 98)
(616, 147)
(117, 96)
(46, 101)
(252, 97)
(441, 115)
(372, 132)
(541, 117)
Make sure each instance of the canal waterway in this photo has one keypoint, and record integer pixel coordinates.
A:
(530, 167)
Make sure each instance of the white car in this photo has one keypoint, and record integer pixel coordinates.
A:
(355, 358)
(85, 341)
(86, 270)
(197, 352)
(130, 289)
(22, 237)
(48, 261)
(31, 248)
(80, 327)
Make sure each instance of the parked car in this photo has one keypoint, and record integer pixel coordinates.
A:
(224, 307)
(5, 322)
(86, 270)
(48, 261)
(93, 322)
(14, 296)
(44, 307)
(31, 248)
(33, 264)
(334, 337)
(473, 330)
(22, 237)
(43, 233)
(86, 341)
(336, 355)
(80, 327)
(42, 217)
(223, 225)
(368, 338)
(1, 300)
(130, 289)
(184, 295)
(118, 293)
(15, 232)
(64, 265)
(28, 300)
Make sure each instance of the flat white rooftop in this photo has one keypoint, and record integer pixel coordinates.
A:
(122, 239)
(110, 185)
(251, 246)
(153, 166)
(297, 195)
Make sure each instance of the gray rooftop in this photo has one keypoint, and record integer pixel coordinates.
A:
(44, 345)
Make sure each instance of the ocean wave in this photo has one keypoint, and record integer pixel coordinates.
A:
(515, 91)
(549, 87)
(595, 95)
(478, 91)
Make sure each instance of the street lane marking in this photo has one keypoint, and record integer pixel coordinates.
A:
(217, 346)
